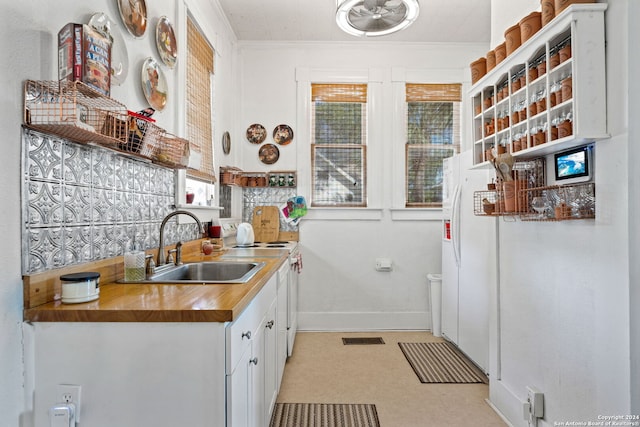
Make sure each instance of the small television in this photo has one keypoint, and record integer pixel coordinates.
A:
(573, 165)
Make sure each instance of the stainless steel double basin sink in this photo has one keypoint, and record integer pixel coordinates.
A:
(210, 272)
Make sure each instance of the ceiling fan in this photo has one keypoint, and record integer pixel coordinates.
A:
(368, 18)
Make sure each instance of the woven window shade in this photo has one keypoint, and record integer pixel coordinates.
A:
(198, 99)
(433, 92)
(338, 92)
(433, 134)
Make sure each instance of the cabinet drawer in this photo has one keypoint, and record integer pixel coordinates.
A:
(240, 332)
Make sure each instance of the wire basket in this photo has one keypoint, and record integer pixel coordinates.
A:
(71, 110)
(136, 134)
(561, 202)
(171, 151)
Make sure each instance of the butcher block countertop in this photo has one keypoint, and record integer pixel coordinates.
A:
(120, 302)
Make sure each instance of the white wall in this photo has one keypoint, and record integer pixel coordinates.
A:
(634, 200)
(29, 46)
(339, 287)
(564, 287)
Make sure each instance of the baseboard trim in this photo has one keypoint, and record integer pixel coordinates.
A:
(506, 404)
(364, 321)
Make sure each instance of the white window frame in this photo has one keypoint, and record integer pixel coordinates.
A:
(374, 79)
(399, 77)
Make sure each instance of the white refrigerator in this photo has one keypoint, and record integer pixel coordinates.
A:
(468, 259)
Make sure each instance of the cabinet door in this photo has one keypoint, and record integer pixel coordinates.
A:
(271, 379)
(239, 398)
(281, 322)
(257, 368)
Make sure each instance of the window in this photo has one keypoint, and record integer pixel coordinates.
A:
(338, 150)
(433, 134)
(198, 104)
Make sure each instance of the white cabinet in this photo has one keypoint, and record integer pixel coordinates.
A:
(520, 107)
(281, 320)
(251, 361)
(270, 357)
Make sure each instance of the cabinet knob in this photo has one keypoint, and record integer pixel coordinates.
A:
(254, 361)
(270, 324)
(247, 335)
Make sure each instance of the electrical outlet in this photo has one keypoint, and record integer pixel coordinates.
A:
(535, 400)
(70, 393)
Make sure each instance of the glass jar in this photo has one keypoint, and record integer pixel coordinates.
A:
(541, 100)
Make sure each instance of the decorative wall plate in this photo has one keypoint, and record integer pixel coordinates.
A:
(166, 42)
(226, 143)
(269, 154)
(282, 134)
(119, 54)
(154, 84)
(134, 16)
(256, 133)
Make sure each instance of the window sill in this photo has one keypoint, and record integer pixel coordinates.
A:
(199, 207)
(416, 214)
(363, 214)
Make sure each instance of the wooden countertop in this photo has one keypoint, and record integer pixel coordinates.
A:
(120, 302)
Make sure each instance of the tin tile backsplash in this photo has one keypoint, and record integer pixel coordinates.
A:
(84, 203)
(266, 196)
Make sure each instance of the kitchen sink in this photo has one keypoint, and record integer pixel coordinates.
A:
(211, 272)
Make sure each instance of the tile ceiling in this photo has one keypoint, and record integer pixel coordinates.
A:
(314, 20)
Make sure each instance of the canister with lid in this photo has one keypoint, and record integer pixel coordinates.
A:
(80, 287)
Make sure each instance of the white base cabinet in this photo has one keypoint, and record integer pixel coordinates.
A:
(160, 374)
(252, 361)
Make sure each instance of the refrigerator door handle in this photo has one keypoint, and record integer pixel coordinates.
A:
(455, 224)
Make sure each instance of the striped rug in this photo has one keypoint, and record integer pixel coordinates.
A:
(324, 415)
(441, 362)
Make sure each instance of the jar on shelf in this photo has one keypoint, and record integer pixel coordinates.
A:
(515, 82)
(516, 144)
(541, 135)
(565, 127)
(553, 131)
(533, 109)
(515, 116)
(488, 101)
(522, 110)
(541, 100)
(555, 93)
(564, 50)
(541, 66)
(533, 71)
(489, 129)
(554, 57)
(524, 139)
(567, 88)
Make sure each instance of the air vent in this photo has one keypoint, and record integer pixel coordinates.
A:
(362, 341)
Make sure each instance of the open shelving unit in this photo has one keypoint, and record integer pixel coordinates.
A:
(520, 107)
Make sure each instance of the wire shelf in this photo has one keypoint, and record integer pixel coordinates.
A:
(561, 202)
(74, 111)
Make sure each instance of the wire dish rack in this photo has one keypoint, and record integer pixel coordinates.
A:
(74, 111)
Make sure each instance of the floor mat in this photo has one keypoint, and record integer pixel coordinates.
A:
(324, 415)
(441, 362)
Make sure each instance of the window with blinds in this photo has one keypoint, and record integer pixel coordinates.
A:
(198, 104)
(433, 134)
(338, 150)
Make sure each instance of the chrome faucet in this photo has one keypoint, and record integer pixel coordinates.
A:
(161, 256)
